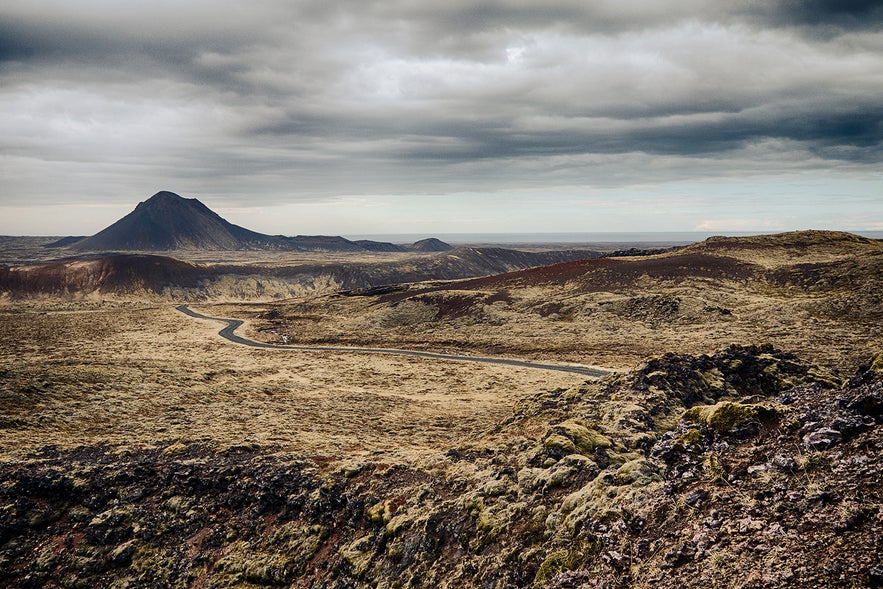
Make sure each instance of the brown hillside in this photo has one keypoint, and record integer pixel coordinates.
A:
(617, 311)
(117, 274)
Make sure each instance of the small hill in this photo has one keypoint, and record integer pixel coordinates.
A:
(623, 309)
(430, 245)
(799, 256)
(167, 221)
(378, 246)
(780, 249)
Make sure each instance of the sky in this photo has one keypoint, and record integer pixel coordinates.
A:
(396, 116)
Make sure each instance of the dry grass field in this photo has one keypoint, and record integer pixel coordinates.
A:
(132, 374)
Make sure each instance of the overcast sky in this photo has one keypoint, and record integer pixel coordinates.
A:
(394, 116)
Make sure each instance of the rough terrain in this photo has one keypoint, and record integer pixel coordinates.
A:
(818, 294)
(738, 445)
(748, 468)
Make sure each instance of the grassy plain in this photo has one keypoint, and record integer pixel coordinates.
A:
(134, 374)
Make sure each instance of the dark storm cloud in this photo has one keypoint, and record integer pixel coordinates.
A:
(312, 98)
(842, 14)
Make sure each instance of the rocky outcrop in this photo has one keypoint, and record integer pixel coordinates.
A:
(694, 471)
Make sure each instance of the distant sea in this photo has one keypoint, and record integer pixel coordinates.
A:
(633, 237)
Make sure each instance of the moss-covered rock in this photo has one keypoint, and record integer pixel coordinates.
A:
(572, 436)
(724, 416)
(640, 473)
(359, 554)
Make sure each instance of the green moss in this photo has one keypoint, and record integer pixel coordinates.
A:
(559, 443)
(359, 554)
(379, 513)
(713, 379)
(398, 523)
(486, 522)
(173, 450)
(553, 565)
(638, 473)
(877, 363)
(689, 439)
(724, 416)
(573, 436)
(565, 560)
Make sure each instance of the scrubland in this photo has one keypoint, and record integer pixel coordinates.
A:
(737, 442)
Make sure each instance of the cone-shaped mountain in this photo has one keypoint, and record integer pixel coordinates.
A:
(167, 221)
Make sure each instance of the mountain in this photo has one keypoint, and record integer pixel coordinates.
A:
(167, 222)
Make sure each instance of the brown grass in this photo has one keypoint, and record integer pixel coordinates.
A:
(133, 374)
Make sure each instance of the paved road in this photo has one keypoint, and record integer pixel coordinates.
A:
(233, 324)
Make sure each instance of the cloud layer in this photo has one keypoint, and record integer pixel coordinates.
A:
(272, 102)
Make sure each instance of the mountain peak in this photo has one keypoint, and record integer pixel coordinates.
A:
(167, 221)
(166, 198)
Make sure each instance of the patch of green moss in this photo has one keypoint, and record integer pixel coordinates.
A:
(559, 443)
(877, 363)
(564, 560)
(690, 438)
(573, 436)
(724, 416)
(639, 473)
(553, 565)
(379, 513)
(359, 554)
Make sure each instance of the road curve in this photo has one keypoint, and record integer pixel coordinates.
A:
(233, 325)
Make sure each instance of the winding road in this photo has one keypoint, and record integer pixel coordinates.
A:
(233, 324)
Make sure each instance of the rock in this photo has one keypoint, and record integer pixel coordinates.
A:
(822, 439)
(875, 576)
(693, 498)
(566, 471)
(359, 554)
(870, 404)
(572, 437)
(640, 473)
(122, 555)
(679, 555)
(784, 462)
(755, 468)
(530, 479)
(852, 425)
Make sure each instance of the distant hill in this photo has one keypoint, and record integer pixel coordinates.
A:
(140, 274)
(431, 245)
(167, 222)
